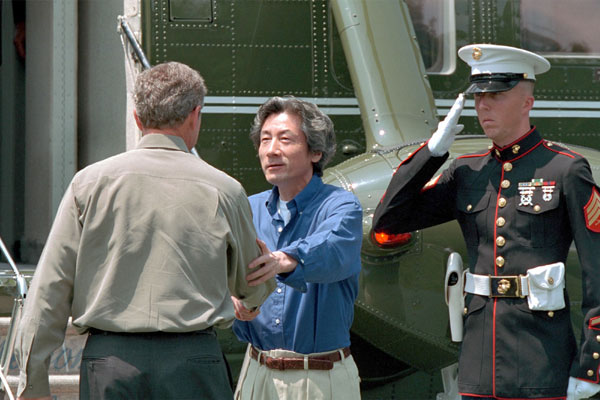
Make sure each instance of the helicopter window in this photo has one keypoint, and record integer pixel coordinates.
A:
(433, 21)
(560, 28)
(190, 10)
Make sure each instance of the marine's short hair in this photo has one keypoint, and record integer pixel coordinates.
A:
(316, 126)
(166, 94)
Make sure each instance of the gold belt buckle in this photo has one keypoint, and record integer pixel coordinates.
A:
(505, 286)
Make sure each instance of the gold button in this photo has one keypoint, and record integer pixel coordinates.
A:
(597, 338)
(465, 310)
(505, 184)
(516, 148)
(500, 241)
(502, 202)
(549, 143)
(596, 356)
(551, 280)
(500, 221)
(507, 167)
(537, 208)
(551, 314)
(500, 261)
(590, 372)
(469, 207)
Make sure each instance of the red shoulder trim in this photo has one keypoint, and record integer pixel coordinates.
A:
(475, 155)
(558, 151)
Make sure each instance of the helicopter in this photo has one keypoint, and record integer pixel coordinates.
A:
(385, 71)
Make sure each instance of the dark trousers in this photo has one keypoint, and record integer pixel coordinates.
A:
(153, 366)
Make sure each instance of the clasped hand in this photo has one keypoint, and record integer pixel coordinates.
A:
(269, 264)
(264, 267)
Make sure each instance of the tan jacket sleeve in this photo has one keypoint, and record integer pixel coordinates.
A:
(48, 303)
(243, 249)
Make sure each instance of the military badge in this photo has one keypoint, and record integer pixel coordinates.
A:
(527, 189)
(592, 212)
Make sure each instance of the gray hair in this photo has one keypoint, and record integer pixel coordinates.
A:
(316, 126)
(166, 94)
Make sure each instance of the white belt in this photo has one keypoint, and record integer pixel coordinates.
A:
(497, 286)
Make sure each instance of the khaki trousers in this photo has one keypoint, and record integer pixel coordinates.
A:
(257, 382)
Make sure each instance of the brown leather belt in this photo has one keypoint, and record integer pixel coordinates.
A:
(322, 362)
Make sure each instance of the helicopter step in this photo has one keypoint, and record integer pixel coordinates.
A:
(64, 364)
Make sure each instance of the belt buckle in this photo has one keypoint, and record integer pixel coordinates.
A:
(505, 286)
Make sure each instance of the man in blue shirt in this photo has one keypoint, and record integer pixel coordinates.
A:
(300, 337)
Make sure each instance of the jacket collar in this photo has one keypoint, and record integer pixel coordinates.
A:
(162, 141)
(518, 148)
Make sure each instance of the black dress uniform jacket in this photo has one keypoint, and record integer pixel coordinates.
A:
(519, 207)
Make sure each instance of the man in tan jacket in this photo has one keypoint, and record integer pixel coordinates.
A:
(145, 250)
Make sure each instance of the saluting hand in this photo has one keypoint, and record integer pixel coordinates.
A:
(443, 137)
(269, 264)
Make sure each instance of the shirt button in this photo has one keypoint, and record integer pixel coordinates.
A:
(279, 229)
(500, 261)
(505, 184)
(500, 221)
(596, 356)
(507, 167)
(598, 338)
(537, 208)
(279, 290)
(469, 207)
(277, 321)
(302, 260)
(502, 202)
(551, 314)
(590, 372)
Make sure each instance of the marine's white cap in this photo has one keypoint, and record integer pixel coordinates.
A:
(496, 68)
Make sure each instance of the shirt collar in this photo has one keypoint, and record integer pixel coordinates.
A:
(162, 141)
(518, 148)
(301, 200)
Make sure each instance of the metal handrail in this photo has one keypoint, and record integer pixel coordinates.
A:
(9, 343)
(137, 49)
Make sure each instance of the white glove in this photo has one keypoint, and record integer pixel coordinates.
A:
(442, 138)
(579, 389)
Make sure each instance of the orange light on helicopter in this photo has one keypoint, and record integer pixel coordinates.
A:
(383, 239)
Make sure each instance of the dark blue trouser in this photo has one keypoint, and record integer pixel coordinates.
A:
(153, 366)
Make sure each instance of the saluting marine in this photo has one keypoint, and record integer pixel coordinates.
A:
(520, 204)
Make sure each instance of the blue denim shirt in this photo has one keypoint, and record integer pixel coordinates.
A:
(312, 308)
